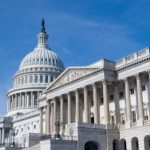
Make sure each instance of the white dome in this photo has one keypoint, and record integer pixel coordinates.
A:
(41, 56)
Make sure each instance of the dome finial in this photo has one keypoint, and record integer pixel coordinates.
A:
(43, 25)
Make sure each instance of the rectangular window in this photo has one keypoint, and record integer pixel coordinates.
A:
(121, 95)
(133, 116)
(31, 79)
(143, 88)
(145, 114)
(46, 79)
(36, 79)
(122, 118)
(41, 79)
(111, 97)
(131, 91)
(112, 120)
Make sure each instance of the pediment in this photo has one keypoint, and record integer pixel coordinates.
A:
(72, 74)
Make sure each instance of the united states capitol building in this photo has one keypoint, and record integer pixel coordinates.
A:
(101, 106)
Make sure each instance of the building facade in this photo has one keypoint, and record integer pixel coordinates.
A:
(101, 106)
(105, 104)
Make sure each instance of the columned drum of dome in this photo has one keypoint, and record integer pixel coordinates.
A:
(38, 68)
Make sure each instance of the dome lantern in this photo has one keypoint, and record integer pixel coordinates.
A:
(42, 36)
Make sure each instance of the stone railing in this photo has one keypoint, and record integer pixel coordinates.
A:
(134, 124)
(62, 137)
(133, 57)
(91, 125)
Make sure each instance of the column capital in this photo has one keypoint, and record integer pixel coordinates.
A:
(41, 108)
(93, 84)
(48, 102)
(126, 79)
(137, 75)
(148, 71)
(53, 100)
(85, 87)
(104, 81)
(76, 90)
(61, 96)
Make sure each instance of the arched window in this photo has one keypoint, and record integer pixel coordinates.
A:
(116, 144)
(90, 145)
(135, 143)
(147, 142)
(123, 145)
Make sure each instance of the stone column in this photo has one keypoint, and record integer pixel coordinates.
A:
(55, 114)
(32, 99)
(140, 99)
(148, 92)
(44, 78)
(34, 78)
(62, 113)
(0, 135)
(8, 104)
(41, 120)
(13, 101)
(25, 100)
(96, 118)
(106, 102)
(16, 101)
(20, 100)
(86, 112)
(38, 78)
(3, 135)
(51, 117)
(77, 106)
(128, 103)
(69, 108)
(117, 105)
(48, 117)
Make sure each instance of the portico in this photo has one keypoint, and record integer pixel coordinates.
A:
(84, 102)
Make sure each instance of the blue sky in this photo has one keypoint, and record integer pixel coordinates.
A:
(80, 31)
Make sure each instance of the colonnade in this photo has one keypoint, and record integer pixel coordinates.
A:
(33, 78)
(56, 106)
(23, 100)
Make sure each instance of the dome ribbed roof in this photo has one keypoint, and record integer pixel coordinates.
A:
(41, 57)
